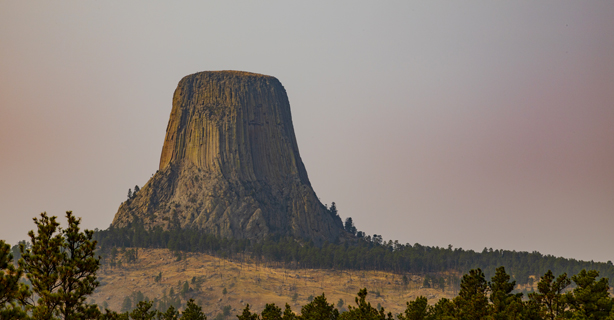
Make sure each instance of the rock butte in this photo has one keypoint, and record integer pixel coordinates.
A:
(230, 165)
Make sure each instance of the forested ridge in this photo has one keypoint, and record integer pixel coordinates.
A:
(365, 253)
(60, 265)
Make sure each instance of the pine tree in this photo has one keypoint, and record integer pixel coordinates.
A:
(248, 315)
(349, 225)
(62, 269)
(9, 284)
(193, 312)
(416, 310)
(549, 298)
(319, 309)
(504, 303)
(171, 313)
(364, 310)
(471, 302)
(591, 298)
(271, 312)
(288, 314)
(142, 311)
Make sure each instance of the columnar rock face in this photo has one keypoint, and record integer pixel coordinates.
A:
(230, 165)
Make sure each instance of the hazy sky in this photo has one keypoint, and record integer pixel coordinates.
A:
(476, 124)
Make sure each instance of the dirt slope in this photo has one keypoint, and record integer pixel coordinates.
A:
(250, 282)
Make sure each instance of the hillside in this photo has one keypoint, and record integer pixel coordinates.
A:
(250, 282)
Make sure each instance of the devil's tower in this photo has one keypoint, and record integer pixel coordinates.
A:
(230, 165)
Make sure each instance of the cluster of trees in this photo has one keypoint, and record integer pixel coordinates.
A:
(144, 310)
(132, 195)
(477, 299)
(60, 265)
(366, 253)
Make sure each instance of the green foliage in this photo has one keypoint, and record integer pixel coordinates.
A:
(170, 314)
(112, 315)
(143, 311)
(349, 226)
(444, 309)
(427, 281)
(472, 302)
(364, 310)
(319, 309)
(61, 267)
(416, 310)
(247, 314)
(504, 303)
(590, 299)
(226, 310)
(405, 280)
(271, 312)
(193, 312)
(130, 255)
(127, 304)
(185, 289)
(366, 253)
(9, 284)
(549, 301)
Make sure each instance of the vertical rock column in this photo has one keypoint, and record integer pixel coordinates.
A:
(230, 164)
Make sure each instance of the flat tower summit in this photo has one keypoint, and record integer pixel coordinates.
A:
(230, 165)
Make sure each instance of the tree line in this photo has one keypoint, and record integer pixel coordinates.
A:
(478, 299)
(364, 253)
(60, 266)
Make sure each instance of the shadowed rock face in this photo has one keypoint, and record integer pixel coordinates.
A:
(230, 165)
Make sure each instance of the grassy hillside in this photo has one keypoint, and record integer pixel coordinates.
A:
(253, 283)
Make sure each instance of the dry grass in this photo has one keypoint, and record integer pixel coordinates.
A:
(256, 284)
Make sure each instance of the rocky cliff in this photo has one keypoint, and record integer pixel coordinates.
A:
(230, 165)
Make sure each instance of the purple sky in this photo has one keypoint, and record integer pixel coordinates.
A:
(476, 124)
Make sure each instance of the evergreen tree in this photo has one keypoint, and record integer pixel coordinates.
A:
(127, 304)
(185, 289)
(349, 226)
(171, 313)
(142, 311)
(62, 269)
(416, 310)
(471, 302)
(591, 299)
(248, 315)
(364, 310)
(9, 285)
(271, 312)
(319, 309)
(333, 210)
(112, 315)
(288, 314)
(504, 303)
(193, 312)
(444, 309)
(549, 298)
